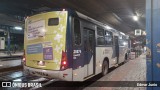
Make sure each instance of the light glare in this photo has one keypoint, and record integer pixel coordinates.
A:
(135, 18)
(18, 28)
(108, 27)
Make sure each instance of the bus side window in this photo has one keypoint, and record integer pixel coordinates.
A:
(100, 36)
(108, 38)
(53, 21)
(77, 32)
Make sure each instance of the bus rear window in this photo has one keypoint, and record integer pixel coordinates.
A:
(53, 21)
(77, 32)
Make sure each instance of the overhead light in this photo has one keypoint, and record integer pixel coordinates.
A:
(138, 32)
(122, 33)
(135, 18)
(18, 28)
(124, 43)
(63, 10)
(144, 33)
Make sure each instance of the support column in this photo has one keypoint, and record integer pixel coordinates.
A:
(153, 41)
(8, 43)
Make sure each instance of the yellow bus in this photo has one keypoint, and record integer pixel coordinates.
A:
(70, 46)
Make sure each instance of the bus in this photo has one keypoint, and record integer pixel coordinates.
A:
(70, 46)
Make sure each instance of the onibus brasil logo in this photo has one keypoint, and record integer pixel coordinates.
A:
(20, 84)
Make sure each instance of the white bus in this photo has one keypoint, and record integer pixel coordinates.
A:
(70, 46)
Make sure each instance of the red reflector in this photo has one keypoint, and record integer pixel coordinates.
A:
(65, 74)
(24, 58)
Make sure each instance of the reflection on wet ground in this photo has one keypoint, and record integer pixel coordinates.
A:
(19, 77)
(6, 76)
(9, 63)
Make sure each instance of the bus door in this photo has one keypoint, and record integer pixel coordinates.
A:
(116, 47)
(89, 52)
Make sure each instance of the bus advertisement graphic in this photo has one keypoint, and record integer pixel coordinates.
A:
(48, 53)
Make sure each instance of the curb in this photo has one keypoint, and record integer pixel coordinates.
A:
(5, 57)
(11, 68)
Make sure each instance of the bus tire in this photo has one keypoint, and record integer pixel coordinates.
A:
(104, 68)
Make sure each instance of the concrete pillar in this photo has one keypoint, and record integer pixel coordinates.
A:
(153, 41)
(8, 43)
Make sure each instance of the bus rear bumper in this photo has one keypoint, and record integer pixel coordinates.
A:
(62, 75)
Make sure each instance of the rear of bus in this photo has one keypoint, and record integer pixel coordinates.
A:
(45, 45)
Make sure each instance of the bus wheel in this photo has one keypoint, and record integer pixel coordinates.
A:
(104, 68)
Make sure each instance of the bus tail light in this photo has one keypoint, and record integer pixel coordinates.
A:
(64, 62)
(24, 58)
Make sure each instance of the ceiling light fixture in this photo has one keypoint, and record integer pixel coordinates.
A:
(135, 18)
(18, 28)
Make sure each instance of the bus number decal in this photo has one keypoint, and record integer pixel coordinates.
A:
(76, 53)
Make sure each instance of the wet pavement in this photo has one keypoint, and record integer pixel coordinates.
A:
(11, 75)
(133, 70)
(130, 72)
(8, 64)
(19, 77)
